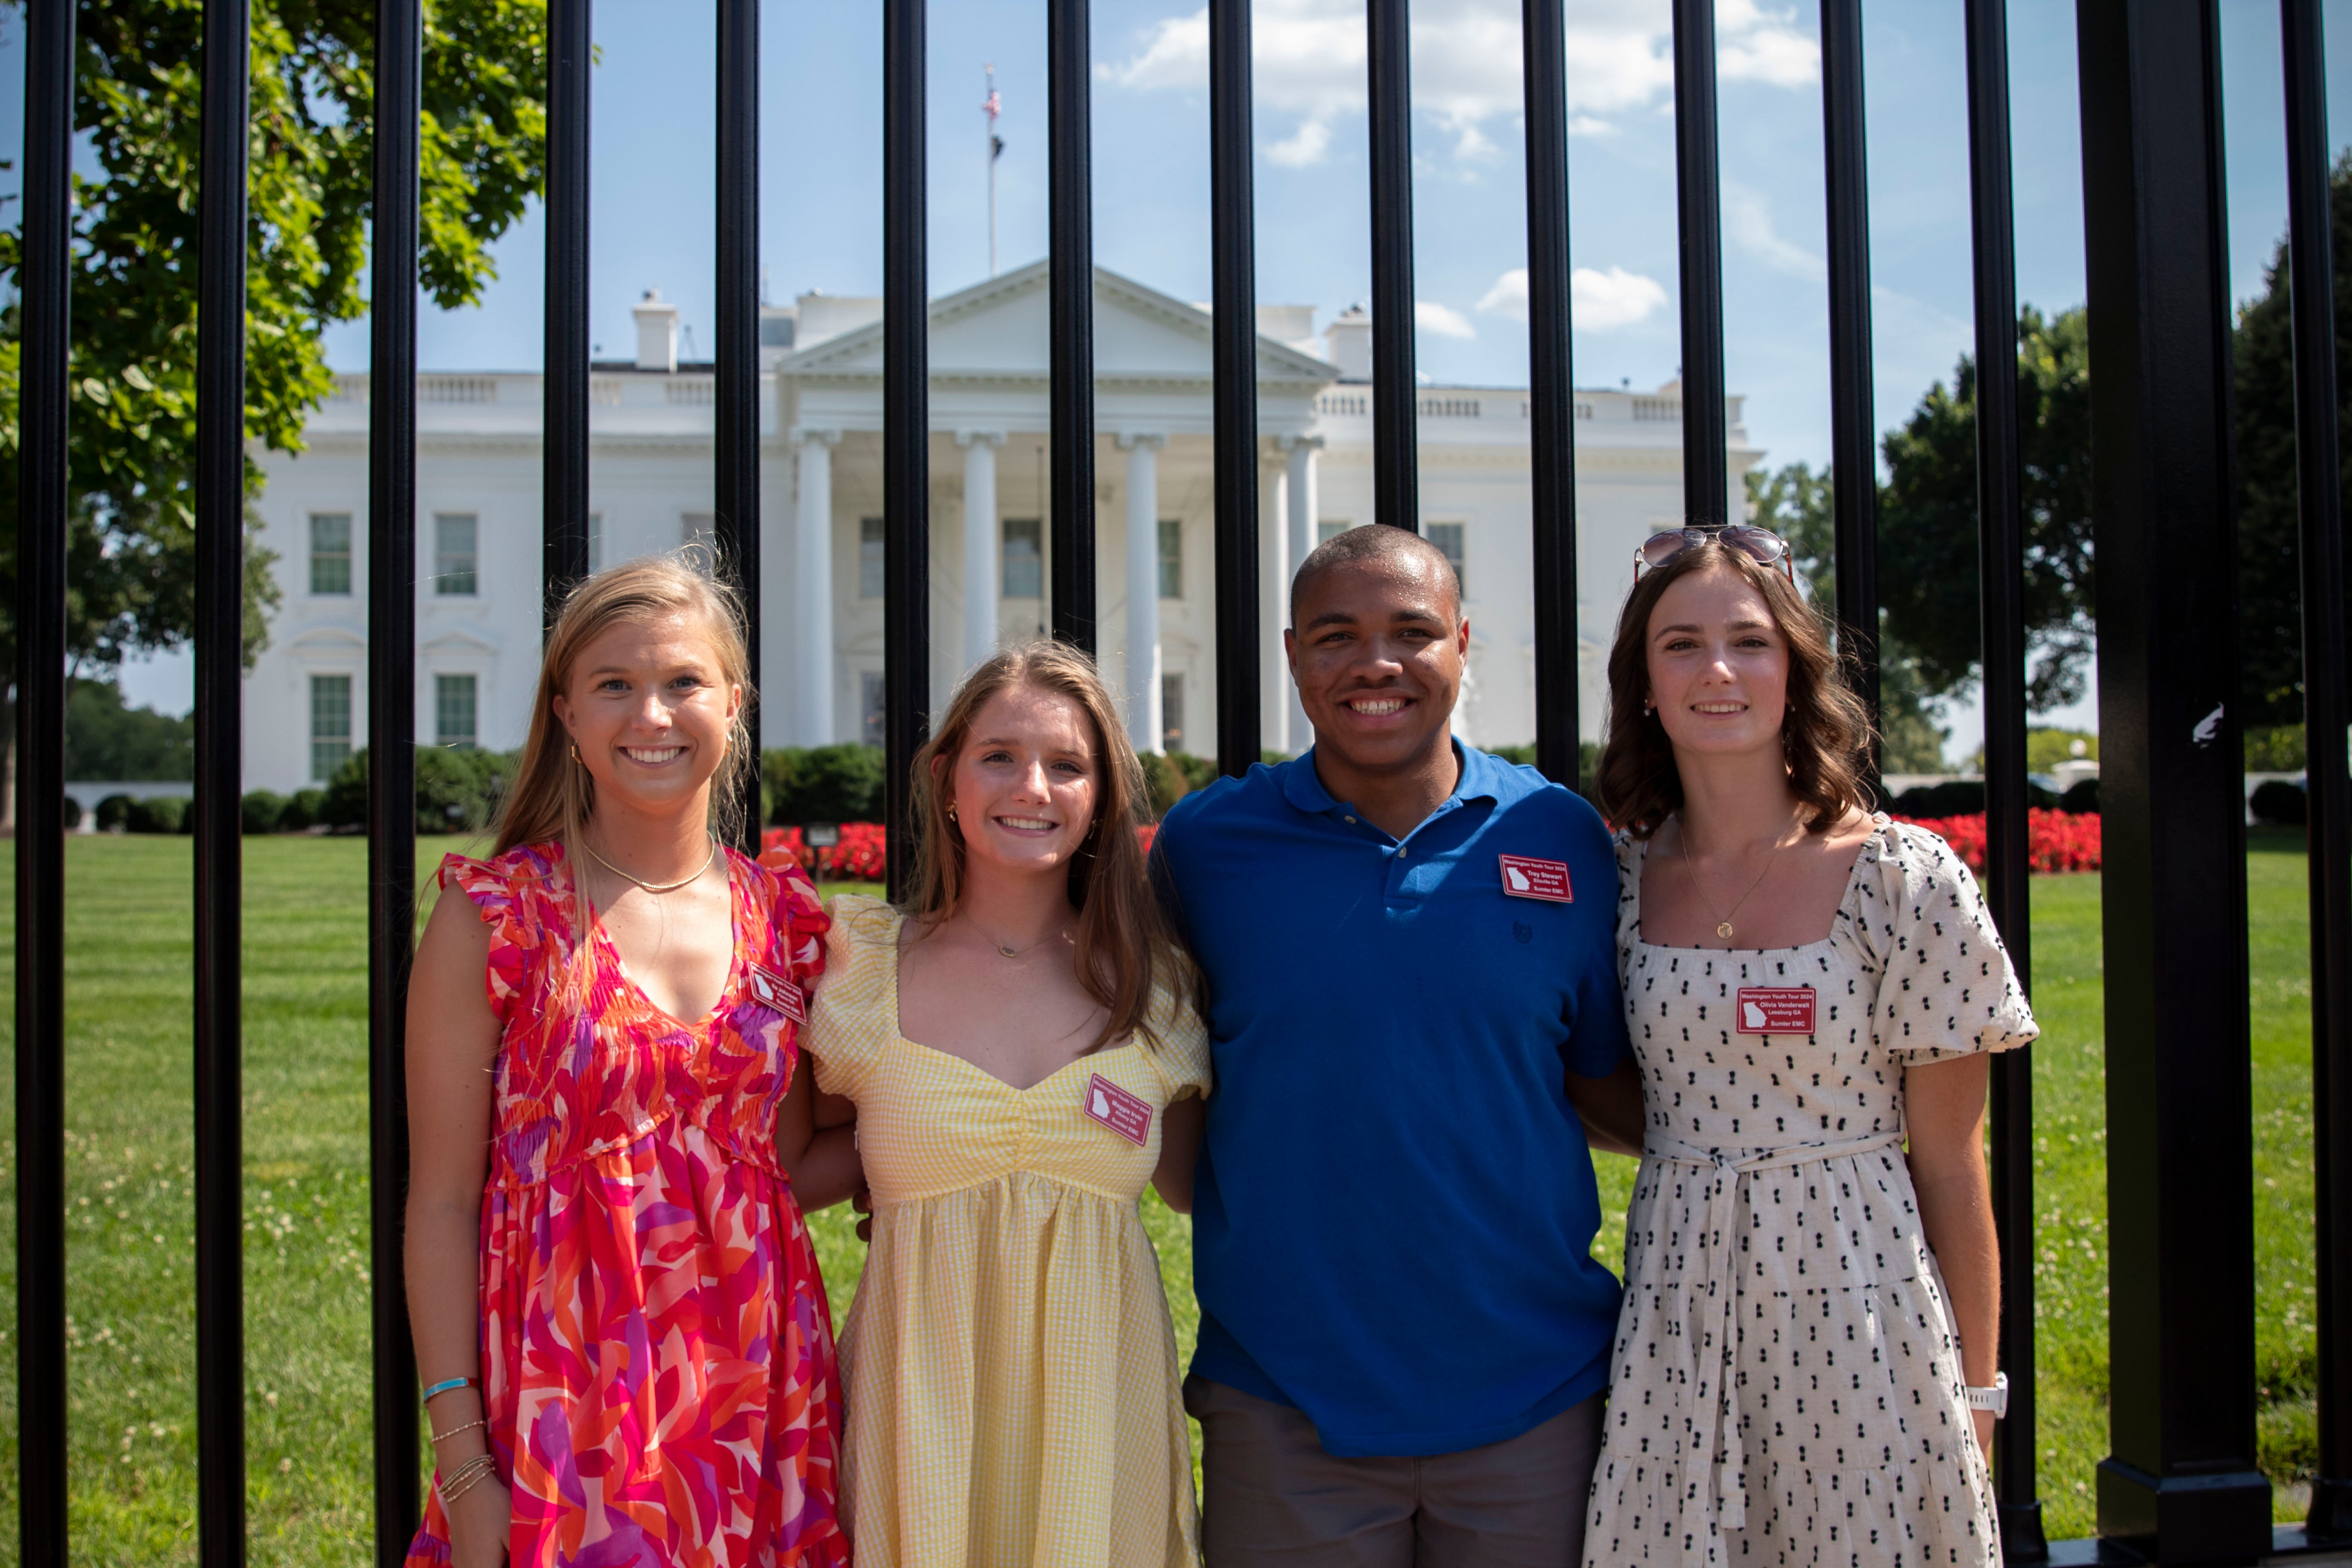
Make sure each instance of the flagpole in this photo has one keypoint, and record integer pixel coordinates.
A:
(989, 110)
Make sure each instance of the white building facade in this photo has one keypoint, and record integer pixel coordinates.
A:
(478, 520)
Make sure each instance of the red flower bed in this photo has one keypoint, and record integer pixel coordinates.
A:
(862, 855)
(858, 858)
(2054, 840)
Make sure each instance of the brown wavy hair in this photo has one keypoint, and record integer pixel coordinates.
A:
(553, 795)
(1826, 735)
(1124, 940)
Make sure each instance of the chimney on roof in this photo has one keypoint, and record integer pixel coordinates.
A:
(656, 332)
(1348, 343)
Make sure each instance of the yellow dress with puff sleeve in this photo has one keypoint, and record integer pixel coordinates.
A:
(1009, 1364)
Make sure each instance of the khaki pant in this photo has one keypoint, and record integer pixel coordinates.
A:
(1273, 1499)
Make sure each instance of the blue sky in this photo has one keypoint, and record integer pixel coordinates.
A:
(653, 207)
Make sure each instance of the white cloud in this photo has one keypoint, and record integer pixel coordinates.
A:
(1310, 58)
(1602, 301)
(1747, 220)
(1444, 319)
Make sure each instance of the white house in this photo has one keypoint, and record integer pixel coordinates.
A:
(479, 536)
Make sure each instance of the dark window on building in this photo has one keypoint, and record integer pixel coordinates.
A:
(1447, 537)
(456, 538)
(1024, 558)
(869, 707)
(1331, 528)
(452, 712)
(869, 557)
(1171, 558)
(331, 553)
(331, 725)
(1171, 712)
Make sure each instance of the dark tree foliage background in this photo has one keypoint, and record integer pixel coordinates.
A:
(133, 417)
(2270, 587)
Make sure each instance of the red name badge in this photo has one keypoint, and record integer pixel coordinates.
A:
(1774, 1010)
(772, 991)
(1118, 1110)
(1525, 877)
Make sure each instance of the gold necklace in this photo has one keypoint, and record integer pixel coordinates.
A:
(1722, 922)
(654, 887)
(1017, 951)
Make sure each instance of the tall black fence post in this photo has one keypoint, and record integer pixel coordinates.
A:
(1551, 392)
(2181, 1478)
(1706, 463)
(45, 346)
(1853, 437)
(1071, 305)
(392, 753)
(906, 423)
(2311, 265)
(219, 767)
(2000, 542)
(1232, 241)
(1396, 401)
(735, 488)
(564, 417)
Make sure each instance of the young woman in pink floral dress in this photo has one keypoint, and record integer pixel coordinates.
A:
(623, 1340)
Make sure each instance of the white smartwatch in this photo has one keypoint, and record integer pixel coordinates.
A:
(1995, 1399)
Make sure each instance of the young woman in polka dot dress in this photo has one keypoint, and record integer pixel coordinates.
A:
(1811, 988)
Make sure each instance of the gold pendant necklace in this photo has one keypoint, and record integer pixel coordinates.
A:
(1722, 922)
(1017, 951)
(654, 887)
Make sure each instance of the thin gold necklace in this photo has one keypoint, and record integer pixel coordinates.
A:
(654, 887)
(1017, 951)
(1722, 922)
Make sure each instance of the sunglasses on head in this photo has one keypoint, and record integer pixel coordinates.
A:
(1760, 546)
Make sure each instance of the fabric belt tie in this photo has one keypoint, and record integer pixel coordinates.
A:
(1708, 1363)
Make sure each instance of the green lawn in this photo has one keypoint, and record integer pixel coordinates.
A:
(130, 1153)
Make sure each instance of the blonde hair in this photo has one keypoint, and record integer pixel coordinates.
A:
(1124, 940)
(552, 796)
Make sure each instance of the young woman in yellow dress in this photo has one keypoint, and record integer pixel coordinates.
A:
(1022, 1045)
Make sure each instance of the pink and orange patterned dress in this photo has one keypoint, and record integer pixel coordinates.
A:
(657, 1360)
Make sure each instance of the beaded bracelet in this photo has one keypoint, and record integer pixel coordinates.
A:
(445, 1436)
(476, 1480)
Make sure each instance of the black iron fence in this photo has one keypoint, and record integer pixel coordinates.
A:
(2182, 1485)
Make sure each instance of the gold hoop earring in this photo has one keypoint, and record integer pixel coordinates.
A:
(575, 753)
(951, 815)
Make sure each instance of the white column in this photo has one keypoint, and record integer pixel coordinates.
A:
(983, 574)
(1143, 715)
(1298, 539)
(812, 588)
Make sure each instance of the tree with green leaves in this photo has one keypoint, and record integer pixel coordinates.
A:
(1794, 502)
(310, 190)
(2269, 557)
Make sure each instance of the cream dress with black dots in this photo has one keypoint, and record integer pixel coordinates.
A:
(1787, 1384)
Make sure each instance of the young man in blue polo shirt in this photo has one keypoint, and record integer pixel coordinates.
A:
(1410, 954)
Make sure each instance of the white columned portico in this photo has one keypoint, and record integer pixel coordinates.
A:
(1145, 729)
(981, 572)
(1299, 510)
(812, 587)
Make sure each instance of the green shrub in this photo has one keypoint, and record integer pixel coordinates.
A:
(2274, 749)
(114, 812)
(456, 791)
(2281, 803)
(165, 814)
(302, 811)
(824, 783)
(2082, 797)
(1959, 797)
(261, 809)
(105, 740)
(1163, 786)
(72, 814)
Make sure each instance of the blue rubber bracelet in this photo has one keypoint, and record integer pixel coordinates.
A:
(447, 1384)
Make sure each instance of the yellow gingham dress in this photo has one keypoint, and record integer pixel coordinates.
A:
(1009, 1363)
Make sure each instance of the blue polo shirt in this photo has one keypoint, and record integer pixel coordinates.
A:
(1394, 1208)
